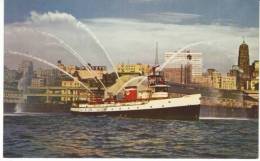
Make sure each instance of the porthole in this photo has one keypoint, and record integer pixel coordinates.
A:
(162, 105)
(169, 101)
(151, 106)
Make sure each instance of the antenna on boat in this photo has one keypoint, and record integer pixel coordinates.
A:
(156, 62)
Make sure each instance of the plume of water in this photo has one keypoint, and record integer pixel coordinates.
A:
(18, 108)
(128, 82)
(75, 53)
(50, 64)
(51, 17)
(142, 80)
(84, 27)
(23, 83)
(179, 51)
(173, 56)
(68, 48)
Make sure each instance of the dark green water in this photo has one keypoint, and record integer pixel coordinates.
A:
(64, 135)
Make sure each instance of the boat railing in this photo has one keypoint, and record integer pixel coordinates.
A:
(111, 103)
(117, 104)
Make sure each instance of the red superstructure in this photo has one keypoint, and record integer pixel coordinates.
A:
(130, 93)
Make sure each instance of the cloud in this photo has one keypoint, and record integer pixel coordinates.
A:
(130, 40)
(135, 40)
(170, 17)
(51, 17)
(142, 1)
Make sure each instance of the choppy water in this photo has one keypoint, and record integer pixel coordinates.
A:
(46, 135)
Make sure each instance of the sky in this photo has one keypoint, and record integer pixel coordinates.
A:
(119, 31)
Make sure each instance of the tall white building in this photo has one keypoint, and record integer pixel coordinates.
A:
(195, 59)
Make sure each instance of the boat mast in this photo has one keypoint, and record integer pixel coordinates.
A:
(156, 61)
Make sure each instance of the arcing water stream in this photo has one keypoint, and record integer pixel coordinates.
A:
(76, 54)
(180, 50)
(85, 28)
(173, 56)
(50, 64)
(73, 52)
(129, 81)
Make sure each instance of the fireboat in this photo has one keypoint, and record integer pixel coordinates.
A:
(154, 103)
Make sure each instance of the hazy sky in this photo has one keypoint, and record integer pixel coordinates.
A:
(128, 29)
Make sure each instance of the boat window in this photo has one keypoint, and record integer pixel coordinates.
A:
(161, 89)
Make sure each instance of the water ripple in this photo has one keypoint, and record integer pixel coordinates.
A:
(73, 137)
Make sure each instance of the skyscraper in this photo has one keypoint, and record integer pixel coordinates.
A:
(243, 59)
(195, 60)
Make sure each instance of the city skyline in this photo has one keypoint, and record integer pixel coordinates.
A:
(167, 55)
(129, 37)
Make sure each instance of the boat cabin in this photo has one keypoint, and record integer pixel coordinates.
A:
(158, 85)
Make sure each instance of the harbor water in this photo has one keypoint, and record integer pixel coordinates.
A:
(65, 135)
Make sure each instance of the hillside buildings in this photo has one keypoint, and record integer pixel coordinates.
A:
(242, 76)
(253, 83)
(46, 77)
(214, 79)
(85, 72)
(11, 78)
(133, 69)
